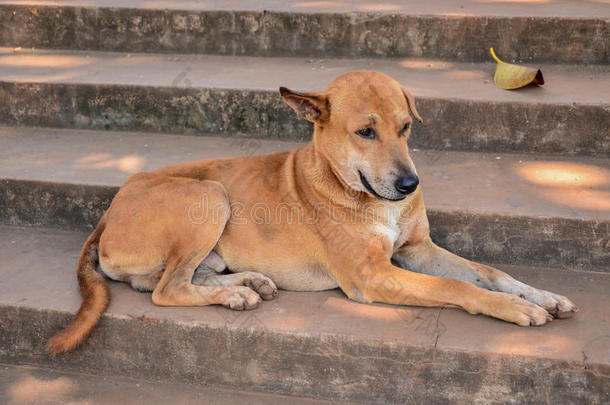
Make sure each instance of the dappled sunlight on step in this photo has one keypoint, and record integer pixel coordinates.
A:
(521, 342)
(380, 7)
(29, 389)
(575, 185)
(318, 4)
(515, 1)
(584, 199)
(467, 74)
(34, 65)
(186, 5)
(562, 174)
(125, 164)
(30, 59)
(426, 64)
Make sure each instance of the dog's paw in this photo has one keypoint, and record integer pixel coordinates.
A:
(522, 312)
(261, 284)
(557, 305)
(240, 298)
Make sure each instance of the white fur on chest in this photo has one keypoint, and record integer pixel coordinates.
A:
(389, 224)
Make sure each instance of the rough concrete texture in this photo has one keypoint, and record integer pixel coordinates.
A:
(310, 344)
(544, 211)
(494, 183)
(530, 8)
(497, 238)
(20, 385)
(158, 109)
(314, 33)
(523, 240)
(431, 78)
(71, 206)
(461, 107)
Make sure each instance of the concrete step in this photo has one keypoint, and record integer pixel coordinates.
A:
(503, 208)
(317, 345)
(461, 107)
(569, 31)
(21, 385)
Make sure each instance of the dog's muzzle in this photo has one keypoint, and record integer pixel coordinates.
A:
(396, 195)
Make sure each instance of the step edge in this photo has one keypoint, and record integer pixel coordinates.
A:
(434, 211)
(268, 91)
(338, 337)
(305, 12)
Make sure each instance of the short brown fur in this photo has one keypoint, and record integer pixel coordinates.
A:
(330, 214)
(96, 297)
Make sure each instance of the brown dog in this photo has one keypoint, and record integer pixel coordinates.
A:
(344, 211)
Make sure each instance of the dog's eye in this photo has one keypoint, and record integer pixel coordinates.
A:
(404, 130)
(367, 133)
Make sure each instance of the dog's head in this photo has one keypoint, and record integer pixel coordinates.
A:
(362, 124)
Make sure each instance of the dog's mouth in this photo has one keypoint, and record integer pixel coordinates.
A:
(367, 185)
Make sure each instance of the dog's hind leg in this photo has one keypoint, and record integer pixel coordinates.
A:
(428, 258)
(176, 289)
(193, 244)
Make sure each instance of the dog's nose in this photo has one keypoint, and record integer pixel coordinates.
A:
(407, 184)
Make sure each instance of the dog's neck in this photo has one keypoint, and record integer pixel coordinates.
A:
(317, 174)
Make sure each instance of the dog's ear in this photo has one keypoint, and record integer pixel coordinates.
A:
(411, 104)
(312, 106)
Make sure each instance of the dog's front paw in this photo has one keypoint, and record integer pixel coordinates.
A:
(261, 284)
(557, 305)
(240, 298)
(520, 311)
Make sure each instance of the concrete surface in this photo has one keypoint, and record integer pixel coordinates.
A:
(540, 209)
(528, 8)
(21, 385)
(311, 344)
(501, 183)
(427, 78)
(545, 241)
(503, 208)
(461, 107)
(571, 31)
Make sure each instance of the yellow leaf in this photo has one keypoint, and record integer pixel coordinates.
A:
(509, 76)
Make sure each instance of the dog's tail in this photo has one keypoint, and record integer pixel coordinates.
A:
(96, 297)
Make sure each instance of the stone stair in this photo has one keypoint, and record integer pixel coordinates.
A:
(94, 91)
(36, 385)
(317, 345)
(238, 96)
